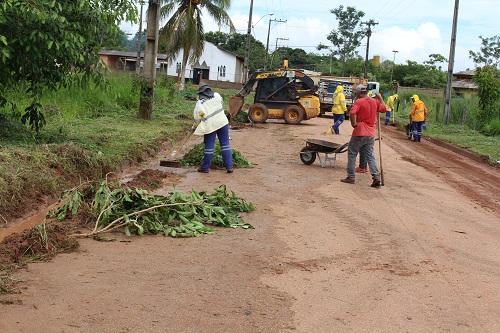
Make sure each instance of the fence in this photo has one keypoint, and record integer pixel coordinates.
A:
(427, 91)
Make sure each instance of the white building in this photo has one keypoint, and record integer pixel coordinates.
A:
(215, 64)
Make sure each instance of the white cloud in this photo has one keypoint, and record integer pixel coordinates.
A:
(414, 28)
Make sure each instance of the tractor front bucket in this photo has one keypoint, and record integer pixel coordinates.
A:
(235, 104)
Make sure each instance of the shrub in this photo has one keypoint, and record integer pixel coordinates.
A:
(492, 129)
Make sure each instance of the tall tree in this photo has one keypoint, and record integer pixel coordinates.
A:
(46, 44)
(348, 35)
(489, 53)
(184, 29)
(487, 78)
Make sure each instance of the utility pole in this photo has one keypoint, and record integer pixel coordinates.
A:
(146, 106)
(139, 44)
(393, 63)
(267, 45)
(368, 34)
(276, 48)
(451, 61)
(247, 45)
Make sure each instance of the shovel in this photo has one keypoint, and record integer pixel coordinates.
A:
(171, 162)
(380, 152)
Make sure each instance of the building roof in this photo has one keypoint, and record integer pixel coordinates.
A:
(464, 84)
(469, 72)
(127, 54)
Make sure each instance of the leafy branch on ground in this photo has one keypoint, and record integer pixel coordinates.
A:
(135, 211)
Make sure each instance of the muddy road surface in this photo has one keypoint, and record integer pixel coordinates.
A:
(420, 254)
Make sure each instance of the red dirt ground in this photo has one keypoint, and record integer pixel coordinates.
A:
(420, 254)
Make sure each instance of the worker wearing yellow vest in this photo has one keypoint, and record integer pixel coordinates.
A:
(418, 114)
(390, 107)
(338, 109)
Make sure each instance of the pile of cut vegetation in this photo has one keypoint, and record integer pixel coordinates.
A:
(195, 157)
(136, 211)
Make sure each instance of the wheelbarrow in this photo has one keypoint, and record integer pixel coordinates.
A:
(315, 148)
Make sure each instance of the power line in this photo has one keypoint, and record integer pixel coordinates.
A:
(380, 9)
(393, 8)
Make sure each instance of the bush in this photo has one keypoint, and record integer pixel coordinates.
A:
(188, 94)
(492, 129)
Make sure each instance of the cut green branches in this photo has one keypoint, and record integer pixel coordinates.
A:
(138, 212)
(195, 157)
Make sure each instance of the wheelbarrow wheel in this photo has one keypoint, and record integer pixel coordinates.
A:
(307, 156)
(409, 132)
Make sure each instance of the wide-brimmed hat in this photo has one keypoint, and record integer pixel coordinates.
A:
(202, 88)
(205, 92)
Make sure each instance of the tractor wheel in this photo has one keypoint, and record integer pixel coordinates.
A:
(258, 113)
(307, 156)
(293, 115)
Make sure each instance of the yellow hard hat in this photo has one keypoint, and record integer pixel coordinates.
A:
(415, 97)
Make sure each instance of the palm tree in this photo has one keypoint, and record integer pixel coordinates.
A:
(184, 30)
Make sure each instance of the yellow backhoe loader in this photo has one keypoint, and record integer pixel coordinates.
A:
(280, 94)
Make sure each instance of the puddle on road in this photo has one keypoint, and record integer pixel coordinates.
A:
(25, 224)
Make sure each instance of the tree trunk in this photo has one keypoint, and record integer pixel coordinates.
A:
(185, 56)
(146, 106)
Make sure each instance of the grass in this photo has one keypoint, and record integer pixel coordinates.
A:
(89, 133)
(466, 135)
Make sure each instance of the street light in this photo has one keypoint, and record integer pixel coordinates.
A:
(267, 45)
(268, 14)
(392, 70)
(393, 62)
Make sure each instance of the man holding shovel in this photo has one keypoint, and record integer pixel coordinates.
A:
(364, 117)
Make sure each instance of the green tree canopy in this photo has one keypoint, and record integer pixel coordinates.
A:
(347, 37)
(489, 53)
(46, 44)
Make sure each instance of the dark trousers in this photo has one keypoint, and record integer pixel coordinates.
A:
(209, 141)
(416, 128)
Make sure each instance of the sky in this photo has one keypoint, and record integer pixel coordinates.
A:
(413, 28)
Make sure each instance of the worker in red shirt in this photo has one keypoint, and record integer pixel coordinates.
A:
(364, 117)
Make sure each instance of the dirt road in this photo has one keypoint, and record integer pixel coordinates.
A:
(421, 254)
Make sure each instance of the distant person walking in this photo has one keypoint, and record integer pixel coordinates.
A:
(418, 114)
(390, 107)
(338, 109)
(364, 117)
(211, 122)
